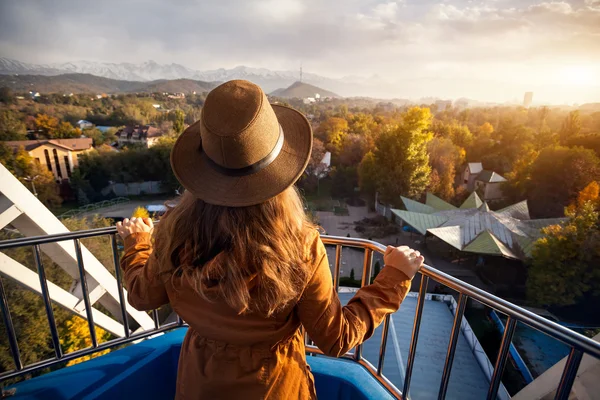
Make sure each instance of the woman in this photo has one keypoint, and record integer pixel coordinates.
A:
(239, 261)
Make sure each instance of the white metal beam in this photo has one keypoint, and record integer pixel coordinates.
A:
(8, 211)
(37, 220)
(26, 277)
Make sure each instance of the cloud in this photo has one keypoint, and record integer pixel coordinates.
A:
(505, 41)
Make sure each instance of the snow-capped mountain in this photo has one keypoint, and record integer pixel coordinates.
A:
(150, 70)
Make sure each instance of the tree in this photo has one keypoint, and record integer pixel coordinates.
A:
(65, 130)
(178, 119)
(46, 124)
(315, 168)
(518, 180)
(557, 176)
(367, 174)
(6, 95)
(332, 132)
(571, 127)
(75, 335)
(11, 128)
(444, 158)
(353, 149)
(401, 157)
(565, 265)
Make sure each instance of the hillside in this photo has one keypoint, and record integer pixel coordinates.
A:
(302, 90)
(86, 83)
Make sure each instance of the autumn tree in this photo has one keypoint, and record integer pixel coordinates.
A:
(571, 127)
(565, 265)
(178, 119)
(65, 130)
(46, 124)
(11, 128)
(444, 158)
(401, 156)
(332, 132)
(6, 95)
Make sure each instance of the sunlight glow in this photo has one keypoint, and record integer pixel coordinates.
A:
(578, 75)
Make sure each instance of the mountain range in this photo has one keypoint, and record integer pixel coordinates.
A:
(151, 71)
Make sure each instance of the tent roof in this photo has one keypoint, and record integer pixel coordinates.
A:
(473, 201)
(437, 203)
(486, 243)
(421, 222)
(415, 206)
(449, 234)
(518, 210)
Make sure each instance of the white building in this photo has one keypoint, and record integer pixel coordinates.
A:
(83, 124)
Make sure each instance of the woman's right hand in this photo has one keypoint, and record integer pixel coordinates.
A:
(403, 258)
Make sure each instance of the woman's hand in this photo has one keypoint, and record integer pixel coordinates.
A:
(404, 259)
(127, 227)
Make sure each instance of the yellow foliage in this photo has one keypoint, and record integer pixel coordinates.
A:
(75, 335)
(590, 193)
(140, 212)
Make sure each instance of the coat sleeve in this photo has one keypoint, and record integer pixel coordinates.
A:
(145, 289)
(336, 329)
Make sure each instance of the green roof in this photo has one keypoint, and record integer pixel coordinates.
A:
(437, 203)
(415, 206)
(486, 243)
(449, 234)
(518, 210)
(421, 222)
(484, 207)
(473, 201)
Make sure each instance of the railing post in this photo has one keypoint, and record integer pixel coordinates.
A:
(415, 335)
(382, 349)
(85, 293)
(460, 310)
(10, 329)
(366, 278)
(47, 302)
(155, 318)
(509, 331)
(569, 373)
(122, 301)
(336, 273)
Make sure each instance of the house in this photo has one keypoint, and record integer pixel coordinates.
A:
(489, 185)
(469, 175)
(83, 124)
(145, 135)
(60, 156)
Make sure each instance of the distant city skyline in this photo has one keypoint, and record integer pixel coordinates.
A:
(489, 50)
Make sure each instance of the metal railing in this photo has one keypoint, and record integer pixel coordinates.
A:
(579, 344)
(93, 207)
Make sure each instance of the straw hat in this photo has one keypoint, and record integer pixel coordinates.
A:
(243, 150)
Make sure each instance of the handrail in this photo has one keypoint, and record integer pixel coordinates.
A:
(579, 343)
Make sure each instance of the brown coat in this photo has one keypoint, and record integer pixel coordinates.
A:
(227, 355)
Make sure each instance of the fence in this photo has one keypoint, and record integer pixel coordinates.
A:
(579, 344)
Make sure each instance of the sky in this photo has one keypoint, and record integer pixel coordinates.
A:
(488, 50)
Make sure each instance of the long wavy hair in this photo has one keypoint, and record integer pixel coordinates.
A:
(254, 257)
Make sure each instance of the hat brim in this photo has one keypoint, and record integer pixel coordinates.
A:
(206, 183)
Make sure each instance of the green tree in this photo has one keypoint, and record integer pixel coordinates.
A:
(178, 119)
(401, 157)
(565, 265)
(556, 177)
(367, 174)
(11, 128)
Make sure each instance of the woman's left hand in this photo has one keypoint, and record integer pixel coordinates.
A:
(134, 225)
